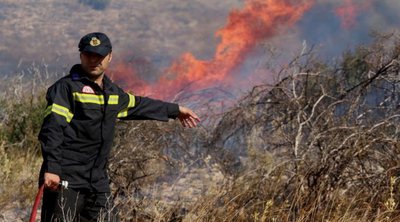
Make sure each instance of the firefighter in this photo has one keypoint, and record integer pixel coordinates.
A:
(77, 132)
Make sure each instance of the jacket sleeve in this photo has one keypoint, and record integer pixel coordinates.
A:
(57, 116)
(144, 108)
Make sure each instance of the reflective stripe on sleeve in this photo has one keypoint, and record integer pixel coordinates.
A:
(60, 110)
(131, 104)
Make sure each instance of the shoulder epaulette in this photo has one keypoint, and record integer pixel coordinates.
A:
(75, 76)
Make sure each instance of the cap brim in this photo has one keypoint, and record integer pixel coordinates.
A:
(103, 51)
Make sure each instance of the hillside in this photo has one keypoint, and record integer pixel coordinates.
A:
(319, 142)
(48, 30)
(322, 144)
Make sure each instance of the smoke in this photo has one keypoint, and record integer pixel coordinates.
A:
(170, 49)
(333, 26)
(338, 26)
(349, 12)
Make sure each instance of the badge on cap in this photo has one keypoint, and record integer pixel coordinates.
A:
(95, 41)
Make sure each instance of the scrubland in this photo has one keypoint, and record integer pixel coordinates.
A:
(321, 144)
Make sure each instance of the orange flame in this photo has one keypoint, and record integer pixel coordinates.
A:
(257, 21)
(349, 12)
(127, 78)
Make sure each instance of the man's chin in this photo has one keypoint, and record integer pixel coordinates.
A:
(95, 72)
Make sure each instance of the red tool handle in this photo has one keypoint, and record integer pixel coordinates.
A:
(36, 203)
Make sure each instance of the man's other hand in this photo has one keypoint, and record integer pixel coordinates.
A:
(187, 117)
(51, 181)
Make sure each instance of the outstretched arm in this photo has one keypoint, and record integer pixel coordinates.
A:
(187, 117)
(144, 108)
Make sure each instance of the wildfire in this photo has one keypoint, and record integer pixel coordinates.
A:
(349, 12)
(256, 21)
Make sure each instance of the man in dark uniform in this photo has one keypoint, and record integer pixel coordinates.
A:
(78, 129)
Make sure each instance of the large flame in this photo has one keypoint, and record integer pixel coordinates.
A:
(255, 22)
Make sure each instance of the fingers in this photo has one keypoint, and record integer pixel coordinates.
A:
(182, 121)
(193, 116)
(51, 181)
(51, 185)
(187, 117)
(192, 121)
(188, 122)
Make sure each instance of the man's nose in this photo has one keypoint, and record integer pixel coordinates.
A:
(93, 59)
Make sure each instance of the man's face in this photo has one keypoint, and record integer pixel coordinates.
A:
(95, 64)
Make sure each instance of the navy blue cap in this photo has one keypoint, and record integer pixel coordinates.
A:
(95, 42)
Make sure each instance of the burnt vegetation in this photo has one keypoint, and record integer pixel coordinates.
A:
(319, 145)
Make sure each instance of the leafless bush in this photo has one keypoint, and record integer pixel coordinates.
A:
(322, 144)
(146, 155)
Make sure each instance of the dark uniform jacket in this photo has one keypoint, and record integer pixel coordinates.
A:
(78, 129)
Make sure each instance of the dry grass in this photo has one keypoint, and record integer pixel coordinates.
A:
(320, 145)
(22, 103)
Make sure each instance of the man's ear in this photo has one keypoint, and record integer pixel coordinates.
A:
(110, 58)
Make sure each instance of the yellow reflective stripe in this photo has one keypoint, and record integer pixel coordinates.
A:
(131, 104)
(123, 113)
(113, 100)
(60, 110)
(88, 98)
(47, 111)
(131, 101)
(96, 99)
